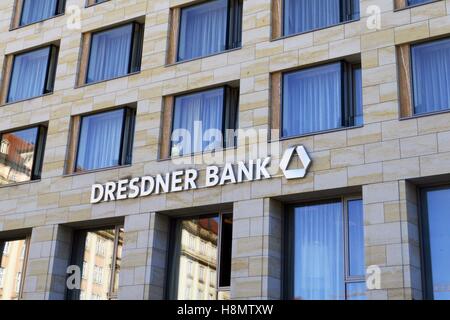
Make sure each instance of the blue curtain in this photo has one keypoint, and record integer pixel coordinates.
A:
(357, 89)
(356, 238)
(197, 113)
(203, 29)
(37, 10)
(305, 15)
(414, 2)
(110, 53)
(312, 100)
(28, 75)
(100, 141)
(431, 74)
(318, 252)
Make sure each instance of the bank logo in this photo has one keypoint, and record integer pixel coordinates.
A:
(305, 160)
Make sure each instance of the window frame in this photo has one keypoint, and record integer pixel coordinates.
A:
(27, 238)
(348, 94)
(126, 139)
(289, 233)
(173, 266)
(74, 294)
(38, 154)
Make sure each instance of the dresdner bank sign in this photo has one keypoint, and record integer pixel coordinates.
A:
(184, 180)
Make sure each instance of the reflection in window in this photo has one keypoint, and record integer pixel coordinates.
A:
(33, 74)
(105, 140)
(115, 52)
(38, 10)
(100, 271)
(320, 267)
(11, 269)
(210, 27)
(431, 76)
(201, 284)
(436, 229)
(316, 99)
(21, 155)
(306, 15)
(202, 120)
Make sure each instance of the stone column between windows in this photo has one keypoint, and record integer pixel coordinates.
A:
(143, 270)
(392, 239)
(256, 252)
(48, 258)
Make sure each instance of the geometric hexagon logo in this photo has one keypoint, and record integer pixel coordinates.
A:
(305, 160)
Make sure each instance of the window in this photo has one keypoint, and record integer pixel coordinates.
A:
(216, 230)
(32, 74)
(105, 140)
(436, 242)
(399, 4)
(115, 52)
(35, 11)
(12, 269)
(103, 284)
(209, 27)
(21, 155)
(93, 2)
(202, 120)
(326, 251)
(321, 98)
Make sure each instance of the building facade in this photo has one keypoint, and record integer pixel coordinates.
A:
(128, 133)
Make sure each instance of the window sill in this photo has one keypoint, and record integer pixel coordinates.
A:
(314, 30)
(75, 174)
(27, 99)
(106, 80)
(415, 5)
(195, 154)
(422, 115)
(202, 57)
(317, 133)
(16, 184)
(36, 22)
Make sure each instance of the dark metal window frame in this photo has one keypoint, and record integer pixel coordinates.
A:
(288, 240)
(126, 139)
(39, 149)
(136, 47)
(233, 38)
(172, 265)
(76, 240)
(49, 82)
(348, 97)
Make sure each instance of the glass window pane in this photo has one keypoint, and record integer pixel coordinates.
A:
(190, 258)
(414, 2)
(94, 253)
(203, 29)
(17, 152)
(11, 268)
(198, 122)
(356, 291)
(225, 250)
(28, 75)
(37, 10)
(438, 214)
(110, 54)
(318, 272)
(431, 76)
(100, 141)
(312, 100)
(357, 92)
(305, 15)
(356, 238)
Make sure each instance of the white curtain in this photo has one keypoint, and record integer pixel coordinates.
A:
(37, 10)
(196, 114)
(318, 252)
(28, 75)
(312, 100)
(110, 53)
(431, 72)
(100, 141)
(304, 15)
(203, 29)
